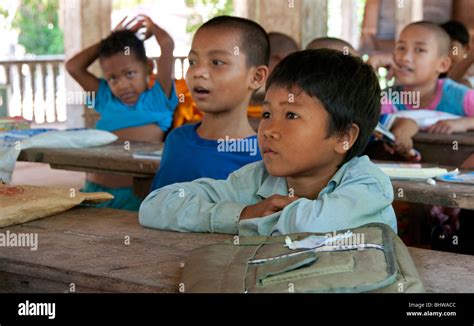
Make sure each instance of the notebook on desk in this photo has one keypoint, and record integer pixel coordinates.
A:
(410, 171)
(466, 178)
(154, 155)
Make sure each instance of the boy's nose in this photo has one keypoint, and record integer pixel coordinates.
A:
(199, 71)
(406, 56)
(270, 130)
(122, 84)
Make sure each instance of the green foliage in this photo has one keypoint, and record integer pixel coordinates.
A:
(37, 21)
(205, 10)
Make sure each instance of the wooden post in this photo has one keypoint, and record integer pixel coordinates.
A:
(350, 28)
(407, 11)
(314, 20)
(303, 20)
(85, 22)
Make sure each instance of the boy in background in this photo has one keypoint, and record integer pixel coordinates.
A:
(461, 54)
(126, 106)
(421, 54)
(227, 64)
(332, 43)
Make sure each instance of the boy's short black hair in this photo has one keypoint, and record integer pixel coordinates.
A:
(346, 86)
(457, 31)
(253, 38)
(121, 41)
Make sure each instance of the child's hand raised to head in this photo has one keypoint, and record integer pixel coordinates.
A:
(138, 22)
(452, 126)
(267, 206)
(146, 22)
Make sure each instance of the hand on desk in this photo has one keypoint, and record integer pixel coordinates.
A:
(452, 126)
(403, 129)
(267, 206)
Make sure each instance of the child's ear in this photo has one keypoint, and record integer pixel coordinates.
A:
(346, 140)
(259, 77)
(444, 64)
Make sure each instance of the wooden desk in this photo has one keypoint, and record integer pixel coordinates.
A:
(86, 246)
(114, 158)
(452, 149)
(442, 194)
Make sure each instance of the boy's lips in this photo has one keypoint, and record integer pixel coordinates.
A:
(404, 70)
(200, 93)
(127, 96)
(268, 151)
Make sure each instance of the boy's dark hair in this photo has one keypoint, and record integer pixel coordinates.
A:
(253, 38)
(346, 86)
(457, 31)
(121, 41)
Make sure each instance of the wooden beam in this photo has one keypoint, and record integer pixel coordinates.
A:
(407, 11)
(85, 23)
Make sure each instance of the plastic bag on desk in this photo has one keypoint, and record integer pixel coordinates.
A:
(21, 204)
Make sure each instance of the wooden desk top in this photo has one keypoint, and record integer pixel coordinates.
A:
(463, 138)
(86, 246)
(114, 158)
(442, 194)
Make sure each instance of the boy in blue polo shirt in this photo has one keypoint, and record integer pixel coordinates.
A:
(126, 105)
(315, 123)
(227, 64)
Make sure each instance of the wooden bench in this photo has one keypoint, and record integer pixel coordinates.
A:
(106, 250)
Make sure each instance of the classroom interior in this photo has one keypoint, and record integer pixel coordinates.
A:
(435, 220)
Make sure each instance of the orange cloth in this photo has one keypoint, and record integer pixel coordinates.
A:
(187, 112)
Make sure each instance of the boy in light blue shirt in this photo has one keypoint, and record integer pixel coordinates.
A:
(315, 122)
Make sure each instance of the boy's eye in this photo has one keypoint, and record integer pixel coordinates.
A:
(291, 115)
(191, 62)
(217, 62)
(419, 50)
(265, 115)
(131, 73)
(112, 79)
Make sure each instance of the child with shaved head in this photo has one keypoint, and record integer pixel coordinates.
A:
(421, 54)
(334, 44)
(281, 46)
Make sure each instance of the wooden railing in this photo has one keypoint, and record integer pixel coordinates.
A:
(37, 87)
(181, 65)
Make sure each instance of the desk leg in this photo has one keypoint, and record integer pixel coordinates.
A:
(141, 186)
